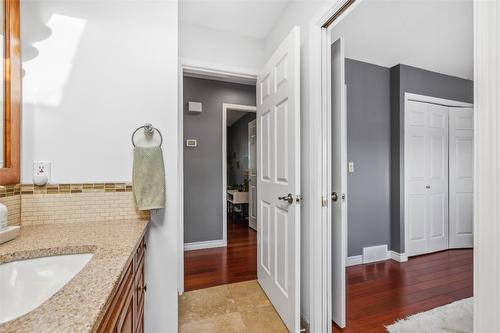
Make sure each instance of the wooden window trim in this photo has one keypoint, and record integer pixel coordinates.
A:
(10, 174)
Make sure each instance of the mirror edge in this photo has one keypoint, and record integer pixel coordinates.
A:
(12, 100)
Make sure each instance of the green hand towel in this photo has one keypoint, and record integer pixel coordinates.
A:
(148, 178)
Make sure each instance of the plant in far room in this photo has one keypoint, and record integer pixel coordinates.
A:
(246, 184)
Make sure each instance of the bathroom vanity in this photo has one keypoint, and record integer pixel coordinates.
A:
(126, 310)
(105, 295)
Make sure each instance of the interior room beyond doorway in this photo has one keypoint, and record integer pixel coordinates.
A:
(219, 126)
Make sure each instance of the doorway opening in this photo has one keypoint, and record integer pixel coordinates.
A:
(276, 292)
(379, 217)
(220, 222)
(220, 246)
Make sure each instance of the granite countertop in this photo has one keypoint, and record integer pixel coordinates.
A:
(80, 305)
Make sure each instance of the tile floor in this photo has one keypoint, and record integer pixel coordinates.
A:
(238, 307)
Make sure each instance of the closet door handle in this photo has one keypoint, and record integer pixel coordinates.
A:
(427, 186)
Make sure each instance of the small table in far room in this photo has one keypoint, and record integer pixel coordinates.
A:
(236, 201)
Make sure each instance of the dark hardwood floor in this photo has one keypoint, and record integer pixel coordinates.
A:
(378, 294)
(217, 266)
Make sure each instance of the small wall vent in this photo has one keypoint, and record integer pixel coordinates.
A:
(195, 107)
(375, 253)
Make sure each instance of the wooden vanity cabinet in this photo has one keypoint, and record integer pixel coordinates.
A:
(126, 312)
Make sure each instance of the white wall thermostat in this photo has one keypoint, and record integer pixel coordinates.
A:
(195, 107)
(191, 143)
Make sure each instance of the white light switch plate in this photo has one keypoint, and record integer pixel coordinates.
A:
(351, 167)
(191, 143)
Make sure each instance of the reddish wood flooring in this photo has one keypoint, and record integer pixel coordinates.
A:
(217, 266)
(379, 294)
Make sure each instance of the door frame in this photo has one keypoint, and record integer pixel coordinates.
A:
(486, 168)
(486, 155)
(320, 105)
(431, 100)
(207, 71)
(256, 166)
(225, 108)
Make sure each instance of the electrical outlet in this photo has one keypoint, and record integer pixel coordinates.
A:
(42, 168)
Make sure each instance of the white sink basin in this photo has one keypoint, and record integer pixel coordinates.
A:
(26, 284)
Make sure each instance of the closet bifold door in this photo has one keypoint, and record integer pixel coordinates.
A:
(438, 178)
(426, 168)
(461, 177)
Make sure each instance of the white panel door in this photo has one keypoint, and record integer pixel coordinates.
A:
(339, 176)
(416, 169)
(278, 180)
(461, 177)
(252, 174)
(426, 169)
(437, 185)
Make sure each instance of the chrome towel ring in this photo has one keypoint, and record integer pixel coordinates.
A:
(148, 130)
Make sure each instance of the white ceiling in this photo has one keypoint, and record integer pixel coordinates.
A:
(436, 35)
(250, 18)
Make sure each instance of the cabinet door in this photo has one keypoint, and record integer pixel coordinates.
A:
(139, 289)
(126, 322)
(140, 326)
(114, 314)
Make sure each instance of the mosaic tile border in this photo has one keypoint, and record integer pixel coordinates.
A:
(10, 190)
(27, 189)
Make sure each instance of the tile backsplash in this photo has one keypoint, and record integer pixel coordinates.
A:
(10, 196)
(69, 203)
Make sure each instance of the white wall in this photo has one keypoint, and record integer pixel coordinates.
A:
(300, 13)
(202, 46)
(388, 33)
(91, 77)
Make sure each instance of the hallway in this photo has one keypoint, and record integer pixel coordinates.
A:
(235, 263)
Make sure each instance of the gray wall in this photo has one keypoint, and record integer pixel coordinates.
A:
(368, 146)
(237, 144)
(413, 80)
(203, 165)
(375, 133)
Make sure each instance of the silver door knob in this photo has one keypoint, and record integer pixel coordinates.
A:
(288, 198)
(335, 196)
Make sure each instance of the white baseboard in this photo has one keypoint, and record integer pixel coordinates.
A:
(204, 245)
(399, 257)
(354, 260)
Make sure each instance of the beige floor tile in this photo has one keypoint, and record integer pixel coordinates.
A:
(226, 323)
(205, 303)
(239, 307)
(263, 320)
(248, 295)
